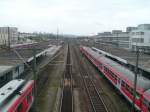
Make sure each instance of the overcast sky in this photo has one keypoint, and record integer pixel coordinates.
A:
(73, 16)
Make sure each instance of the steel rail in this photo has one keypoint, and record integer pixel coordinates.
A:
(96, 101)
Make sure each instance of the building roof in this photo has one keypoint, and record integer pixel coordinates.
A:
(9, 59)
(4, 69)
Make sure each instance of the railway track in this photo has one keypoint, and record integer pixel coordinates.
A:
(96, 101)
(67, 93)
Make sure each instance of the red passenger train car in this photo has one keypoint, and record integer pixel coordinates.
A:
(16, 96)
(121, 78)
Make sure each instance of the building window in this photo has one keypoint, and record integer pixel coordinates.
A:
(139, 33)
(133, 33)
(142, 33)
(138, 40)
(16, 69)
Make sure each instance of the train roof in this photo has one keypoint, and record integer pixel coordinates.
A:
(5, 68)
(148, 91)
(110, 55)
(6, 106)
(9, 88)
(147, 95)
(141, 81)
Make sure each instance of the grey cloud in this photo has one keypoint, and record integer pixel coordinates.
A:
(73, 16)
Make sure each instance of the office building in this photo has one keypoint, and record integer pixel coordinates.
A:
(140, 37)
(8, 36)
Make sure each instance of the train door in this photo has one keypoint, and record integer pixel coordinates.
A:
(19, 108)
(118, 83)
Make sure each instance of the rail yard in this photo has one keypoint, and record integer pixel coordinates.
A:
(74, 56)
(73, 77)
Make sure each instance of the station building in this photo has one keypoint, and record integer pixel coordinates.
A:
(13, 67)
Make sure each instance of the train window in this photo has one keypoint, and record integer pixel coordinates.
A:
(137, 95)
(123, 83)
(131, 91)
(105, 69)
(127, 88)
(119, 80)
(19, 108)
(108, 71)
(111, 73)
(115, 77)
(3, 78)
(100, 65)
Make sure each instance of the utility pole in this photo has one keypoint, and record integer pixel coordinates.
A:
(135, 79)
(8, 37)
(35, 78)
(57, 35)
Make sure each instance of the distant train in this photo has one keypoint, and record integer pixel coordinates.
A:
(121, 78)
(17, 96)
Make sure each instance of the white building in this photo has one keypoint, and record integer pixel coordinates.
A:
(122, 39)
(129, 29)
(8, 35)
(140, 36)
(117, 37)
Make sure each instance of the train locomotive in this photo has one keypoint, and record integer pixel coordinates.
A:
(121, 78)
(17, 96)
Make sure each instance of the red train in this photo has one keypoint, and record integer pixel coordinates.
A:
(16, 96)
(122, 79)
